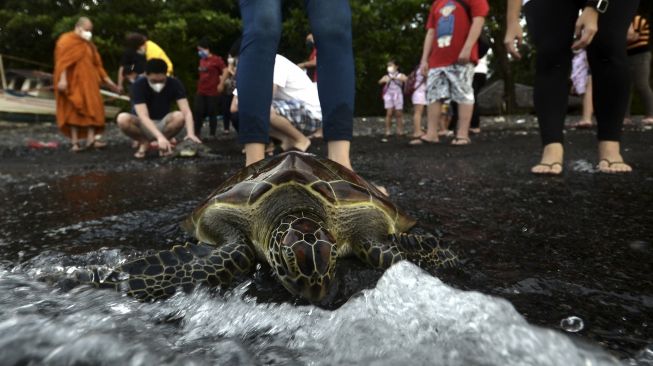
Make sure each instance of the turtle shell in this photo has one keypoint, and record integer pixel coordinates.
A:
(336, 184)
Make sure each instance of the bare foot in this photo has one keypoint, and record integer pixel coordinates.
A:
(551, 162)
(75, 147)
(610, 159)
(142, 150)
(461, 141)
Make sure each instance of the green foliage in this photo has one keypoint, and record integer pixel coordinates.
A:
(381, 30)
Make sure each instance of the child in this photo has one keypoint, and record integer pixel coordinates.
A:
(448, 58)
(393, 98)
(206, 100)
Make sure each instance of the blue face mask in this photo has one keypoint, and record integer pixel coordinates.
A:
(202, 54)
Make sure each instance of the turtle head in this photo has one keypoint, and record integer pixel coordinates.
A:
(303, 256)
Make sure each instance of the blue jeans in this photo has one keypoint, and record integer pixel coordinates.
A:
(330, 22)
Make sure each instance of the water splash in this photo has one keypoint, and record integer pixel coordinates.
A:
(572, 324)
(410, 317)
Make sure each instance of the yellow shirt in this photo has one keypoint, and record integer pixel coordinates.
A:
(152, 50)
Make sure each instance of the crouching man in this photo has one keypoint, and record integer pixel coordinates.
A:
(295, 111)
(151, 118)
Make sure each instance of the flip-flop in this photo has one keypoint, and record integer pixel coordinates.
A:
(467, 141)
(610, 164)
(550, 166)
(422, 141)
(647, 121)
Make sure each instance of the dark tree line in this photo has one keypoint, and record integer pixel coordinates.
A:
(382, 29)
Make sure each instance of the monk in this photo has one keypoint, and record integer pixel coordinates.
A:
(78, 74)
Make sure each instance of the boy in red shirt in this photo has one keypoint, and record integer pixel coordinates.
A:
(206, 100)
(448, 58)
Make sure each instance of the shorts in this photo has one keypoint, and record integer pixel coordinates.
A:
(300, 117)
(451, 82)
(160, 125)
(393, 100)
(419, 95)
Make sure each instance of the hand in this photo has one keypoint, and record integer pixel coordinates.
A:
(193, 138)
(424, 68)
(115, 88)
(586, 28)
(514, 32)
(465, 55)
(121, 88)
(62, 85)
(165, 147)
(385, 79)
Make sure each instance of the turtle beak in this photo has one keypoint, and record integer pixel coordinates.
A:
(314, 267)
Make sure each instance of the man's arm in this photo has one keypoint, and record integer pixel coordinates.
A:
(184, 108)
(426, 51)
(308, 64)
(472, 38)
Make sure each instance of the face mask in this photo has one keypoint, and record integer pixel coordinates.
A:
(202, 54)
(87, 35)
(141, 51)
(310, 44)
(391, 69)
(231, 60)
(157, 87)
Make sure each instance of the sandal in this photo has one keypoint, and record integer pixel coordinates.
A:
(464, 141)
(648, 121)
(422, 141)
(97, 144)
(550, 166)
(610, 164)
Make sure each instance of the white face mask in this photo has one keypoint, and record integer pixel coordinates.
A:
(157, 87)
(231, 60)
(141, 51)
(87, 35)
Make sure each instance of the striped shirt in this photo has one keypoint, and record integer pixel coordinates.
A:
(641, 44)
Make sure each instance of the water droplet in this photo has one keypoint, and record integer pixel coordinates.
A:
(572, 324)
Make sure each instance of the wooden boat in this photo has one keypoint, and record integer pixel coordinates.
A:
(28, 96)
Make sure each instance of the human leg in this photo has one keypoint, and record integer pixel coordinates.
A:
(74, 139)
(331, 26)
(129, 125)
(553, 65)
(261, 33)
(642, 85)
(417, 120)
(291, 137)
(172, 124)
(199, 113)
(610, 76)
(388, 122)
(212, 112)
(478, 84)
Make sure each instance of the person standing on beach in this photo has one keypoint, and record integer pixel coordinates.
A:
(331, 25)
(555, 30)
(78, 74)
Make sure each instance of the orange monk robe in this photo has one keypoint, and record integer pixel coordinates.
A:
(81, 104)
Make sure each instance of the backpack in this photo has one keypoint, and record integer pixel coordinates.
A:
(411, 83)
(484, 42)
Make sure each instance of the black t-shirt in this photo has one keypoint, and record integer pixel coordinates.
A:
(133, 61)
(158, 104)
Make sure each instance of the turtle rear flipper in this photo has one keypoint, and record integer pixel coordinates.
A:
(425, 251)
(160, 275)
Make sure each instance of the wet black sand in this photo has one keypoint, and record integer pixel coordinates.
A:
(576, 245)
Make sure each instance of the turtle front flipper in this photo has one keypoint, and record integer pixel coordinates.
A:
(425, 251)
(160, 275)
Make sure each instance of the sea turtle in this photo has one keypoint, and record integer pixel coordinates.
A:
(296, 212)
